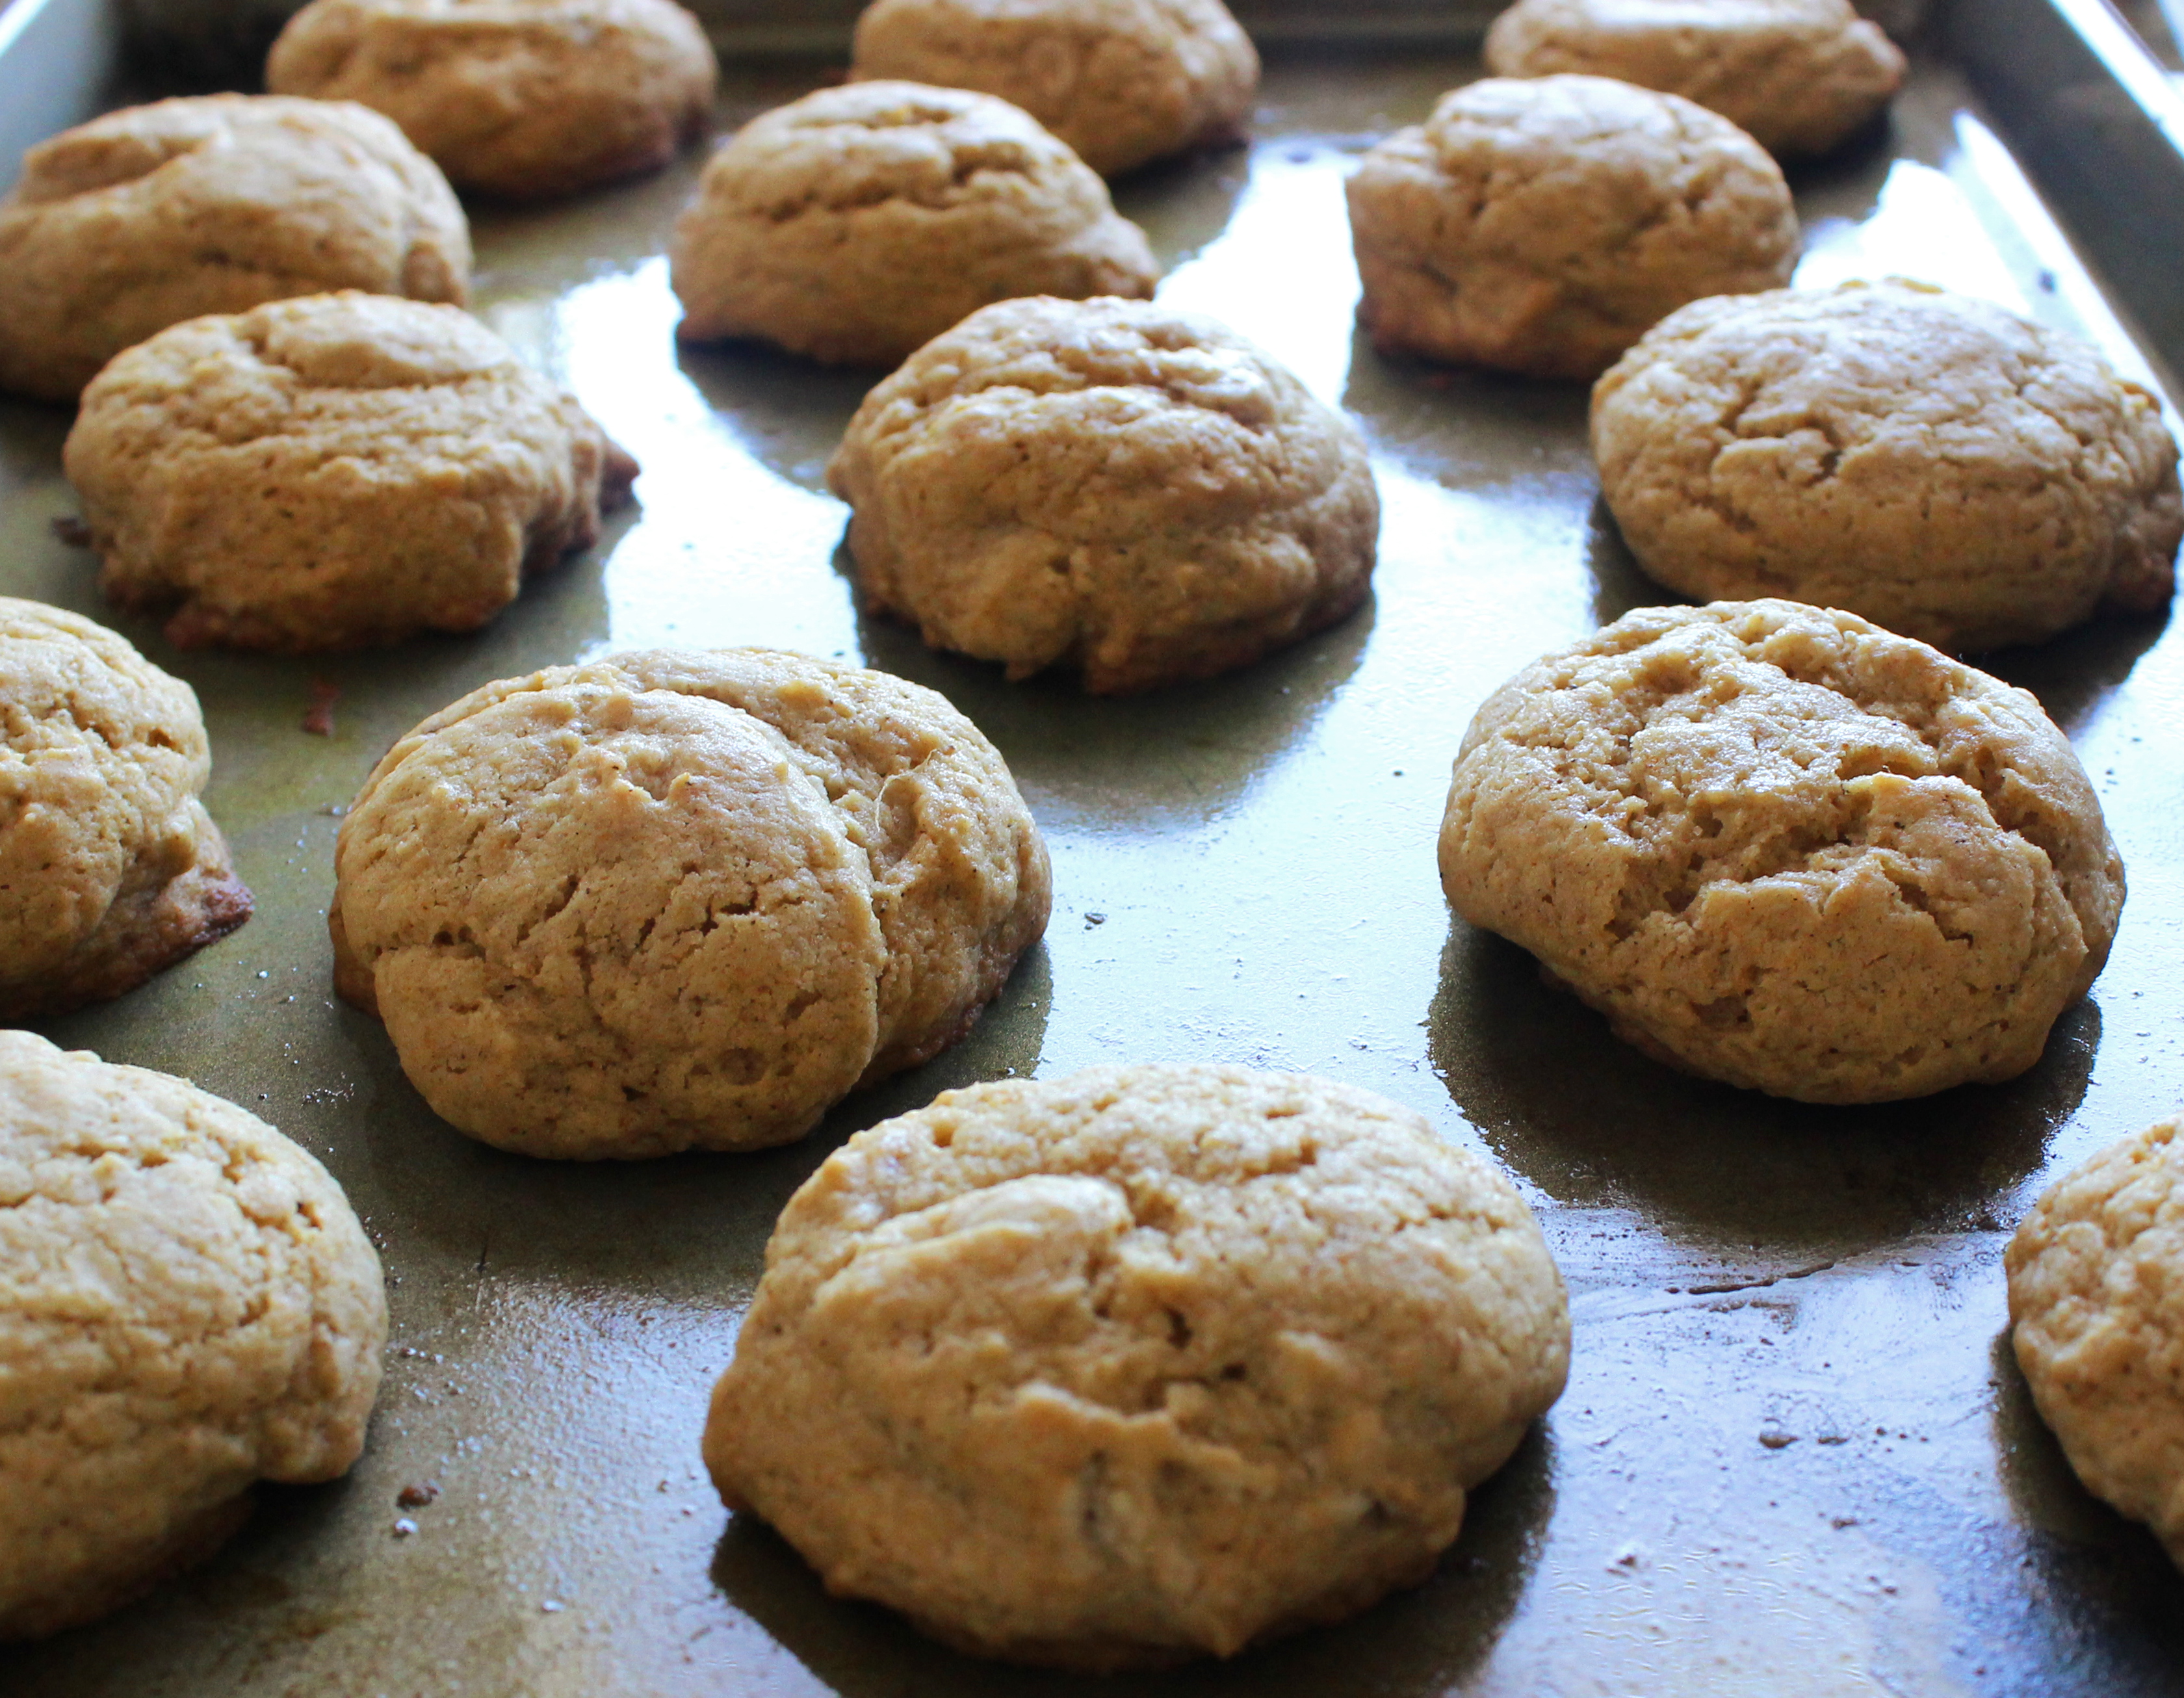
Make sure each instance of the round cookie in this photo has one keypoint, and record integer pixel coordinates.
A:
(1782, 847)
(1542, 225)
(110, 868)
(1137, 1364)
(1801, 77)
(332, 471)
(670, 901)
(858, 223)
(524, 99)
(157, 213)
(1122, 489)
(2097, 1316)
(1941, 466)
(1122, 81)
(187, 1305)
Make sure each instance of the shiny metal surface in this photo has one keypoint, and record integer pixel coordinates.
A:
(1794, 1458)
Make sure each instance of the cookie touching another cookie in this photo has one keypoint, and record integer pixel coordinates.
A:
(523, 98)
(1137, 1364)
(1946, 468)
(332, 471)
(1542, 224)
(680, 900)
(2096, 1317)
(1122, 81)
(1801, 77)
(110, 868)
(1119, 489)
(187, 1305)
(153, 214)
(1782, 847)
(855, 224)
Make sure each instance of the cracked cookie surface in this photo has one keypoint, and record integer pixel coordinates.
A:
(681, 900)
(526, 99)
(110, 868)
(1782, 847)
(1800, 76)
(2097, 1311)
(1543, 225)
(187, 1305)
(1139, 1363)
(1931, 461)
(1135, 492)
(858, 223)
(212, 203)
(332, 471)
(1122, 81)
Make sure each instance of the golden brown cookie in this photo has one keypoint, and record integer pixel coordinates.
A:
(673, 900)
(1800, 76)
(1785, 849)
(524, 98)
(110, 868)
(157, 213)
(856, 223)
(1137, 1364)
(1122, 81)
(187, 1305)
(1118, 488)
(1941, 466)
(2097, 1313)
(1543, 225)
(332, 471)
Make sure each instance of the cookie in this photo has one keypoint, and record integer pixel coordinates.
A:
(523, 99)
(1542, 225)
(332, 471)
(1785, 849)
(2096, 1317)
(1122, 81)
(681, 900)
(1801, 77)
(1123, 490)
(1941, 466)
(1138, 1364)
(157, 213)
(858, 223)
(187, 1305)
(110, 868)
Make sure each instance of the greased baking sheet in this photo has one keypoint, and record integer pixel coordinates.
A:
(1794, 1457)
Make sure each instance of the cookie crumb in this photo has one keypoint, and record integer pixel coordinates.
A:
(71, 530)
(417, 1496)
(318, 717)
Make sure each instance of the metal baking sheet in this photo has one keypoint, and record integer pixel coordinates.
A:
(1794, 1457)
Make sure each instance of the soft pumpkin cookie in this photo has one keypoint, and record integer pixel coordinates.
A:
(526, 99)
(110, 868)
(1800, 76)
(1122, 81)
(681, 900)
(2097, 1316)
(1543, 225)
(187, 1305)
(1946, 468)
(153, 214)
(1781, 847)
(332, 471)
(1137, 1364)
(858, 223)
(1117, 489)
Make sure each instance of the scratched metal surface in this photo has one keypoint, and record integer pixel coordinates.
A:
(1793, 1459)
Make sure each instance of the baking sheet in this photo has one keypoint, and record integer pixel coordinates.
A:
(1794, 1457)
